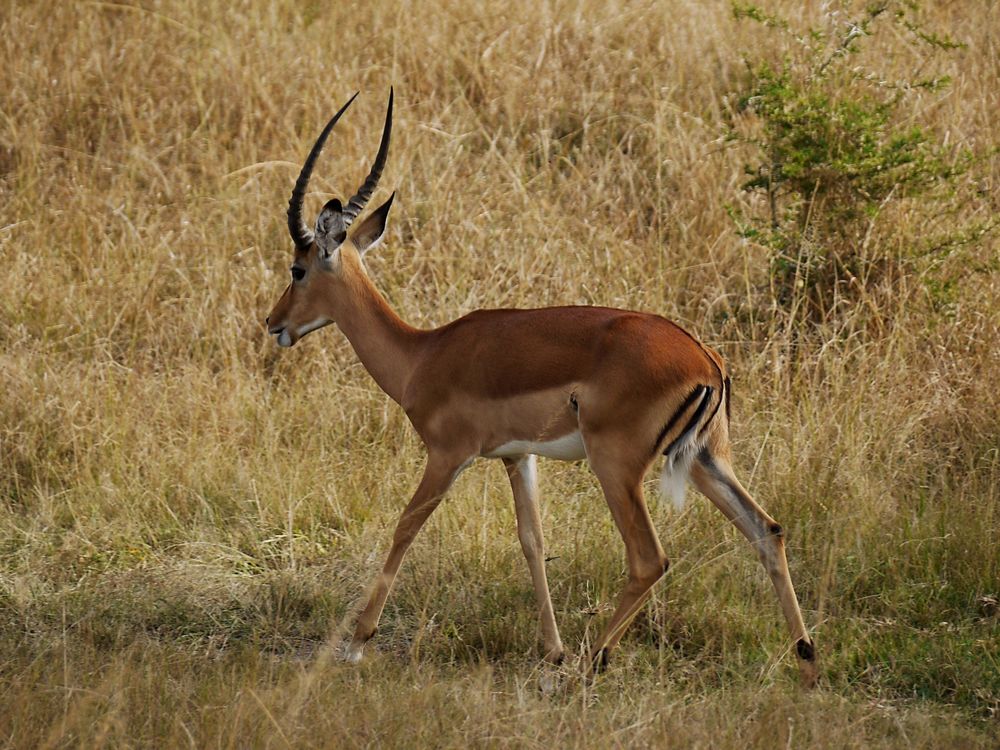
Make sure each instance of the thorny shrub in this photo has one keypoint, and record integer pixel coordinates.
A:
(836, 150)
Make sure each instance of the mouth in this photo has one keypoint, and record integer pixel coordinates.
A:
(283, 337)
(286, 338)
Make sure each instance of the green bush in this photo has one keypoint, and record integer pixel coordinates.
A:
(834, 149)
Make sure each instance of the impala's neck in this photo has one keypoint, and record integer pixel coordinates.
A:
(384, 343)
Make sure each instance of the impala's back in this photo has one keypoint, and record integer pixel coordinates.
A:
(538, 381)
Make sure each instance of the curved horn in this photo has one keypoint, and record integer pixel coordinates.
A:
(301, 234)
(357, 202)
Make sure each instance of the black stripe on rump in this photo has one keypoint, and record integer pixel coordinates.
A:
(724, 396)
(691, 397)
(715, 411)
(692, 423)
(729, 389)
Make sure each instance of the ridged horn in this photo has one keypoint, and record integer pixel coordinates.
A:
(357, 202)
(302, 235)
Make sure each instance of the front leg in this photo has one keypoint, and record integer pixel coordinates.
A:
(524, 483)
(439, 473)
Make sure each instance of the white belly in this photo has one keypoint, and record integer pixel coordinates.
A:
(567, 448)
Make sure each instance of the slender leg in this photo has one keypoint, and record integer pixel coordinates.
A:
(714, 477)
(438, 476)
(524, 483)
(644, 554)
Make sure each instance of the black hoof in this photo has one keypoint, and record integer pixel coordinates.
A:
(805, 650)
(601, 661)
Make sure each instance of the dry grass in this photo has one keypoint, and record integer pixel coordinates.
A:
(185, 512)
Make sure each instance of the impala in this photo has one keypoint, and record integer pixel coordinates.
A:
(615, 387)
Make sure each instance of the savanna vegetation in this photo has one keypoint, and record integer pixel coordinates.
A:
(189, 518)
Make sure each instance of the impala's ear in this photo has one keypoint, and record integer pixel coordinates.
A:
(331, 231)
(372, 229)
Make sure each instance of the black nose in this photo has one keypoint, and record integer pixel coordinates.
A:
(267, 320)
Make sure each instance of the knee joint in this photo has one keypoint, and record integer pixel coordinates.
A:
(530, 542)
(648, 575)
(768, 538)
(405, 532)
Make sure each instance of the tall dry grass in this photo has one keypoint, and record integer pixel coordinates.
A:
(186, 513)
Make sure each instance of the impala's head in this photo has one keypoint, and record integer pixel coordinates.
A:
(318, 265)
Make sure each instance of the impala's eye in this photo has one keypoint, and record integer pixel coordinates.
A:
(298, 273)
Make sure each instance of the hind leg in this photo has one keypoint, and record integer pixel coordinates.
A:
(713, 475)
(620, 473)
